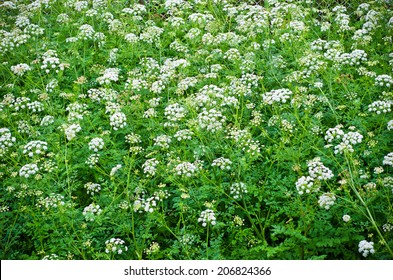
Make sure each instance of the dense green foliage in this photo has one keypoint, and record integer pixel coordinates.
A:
(204, 129)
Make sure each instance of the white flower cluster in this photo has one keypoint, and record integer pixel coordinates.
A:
(193, 33)
(109, 75)
(388, 182)
(12, 39)
(102, 94)
(20, 103)
(388, 159)
(153, 248)
(34, 30)
(92, 160)
(380, 107)
(150, 113)
(326, 200)
(24, 127)
(222, 163)
(149, 204)
(80, 5)
(347, 139)
(184, 134)
(28, 170)
(362, 36)
(20, 69)
(22, 21)
(176, 21)
(118, 120)
(131, 38)
(366, 248)
(76, 111)
(317, 170)
(96, 144)
(185, 84)
(112, 108)
(113, 55)
(346, 218)
(187, 169)
(238, 189)
(277, 96)
(353, 59)
(162, 141)
(136, 10)
(207, 217)
(92, 188)
(35, 106)
(387, 227)
(71, 130)
(158, 86)
(251, 147)
(232, 55)
(151, 34)
(6, 140)
(35, 148)
(133, 138)
(116, 246)
(212, 120)
(334, 133)
(200, 19)
(90, 212)
(51, 62)
(305, 184)
(115, 169)
(209, 95)
(384, 80)
(298, 26)
(86, 31)
(150, 167)
(312, 64)
(187, 239)
(52, 201)
(352, 138)
(370, 186)
(390, 125)
(342, 20)
(174, 113)
(318, 45)
(343, 147)
(51, 257)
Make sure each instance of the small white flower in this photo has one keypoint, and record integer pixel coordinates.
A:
(277, 96)
(118, 120)
(366, 248)
(346, 218)
(238, 189)
(28, 170)
(207, 217)
(388, 159)
(305, 184)
(326, 200)
(115, 245)
(96, 144)
(115, 169)
(222, 163)
(20, 69)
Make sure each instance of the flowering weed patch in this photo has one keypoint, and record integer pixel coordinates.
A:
(202, 129)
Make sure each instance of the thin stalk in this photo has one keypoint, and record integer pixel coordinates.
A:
(369, 215)
(207, 242)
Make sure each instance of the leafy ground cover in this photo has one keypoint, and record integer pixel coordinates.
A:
(203, 129)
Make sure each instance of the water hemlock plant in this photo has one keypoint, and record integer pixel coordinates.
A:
(201, 129)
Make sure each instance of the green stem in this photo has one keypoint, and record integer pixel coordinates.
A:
(369, 215)
(207, 242)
